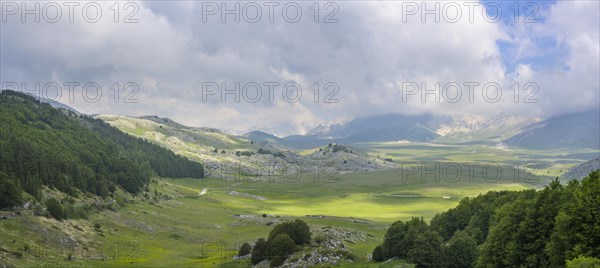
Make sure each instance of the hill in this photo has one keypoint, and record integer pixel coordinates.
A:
(465, 129)
(262, 137)
(581, 130)
(376, 128)
(480, 130)
(388, 127)
(253, 153)
(572, 131)
(44, 146)
(582, 169)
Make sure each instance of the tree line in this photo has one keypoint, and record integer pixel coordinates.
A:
(557, 226)
(44, 146)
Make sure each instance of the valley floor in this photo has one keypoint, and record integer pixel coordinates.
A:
(202, 223)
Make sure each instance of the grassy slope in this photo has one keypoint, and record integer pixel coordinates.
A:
(190, 230)
(196, 144)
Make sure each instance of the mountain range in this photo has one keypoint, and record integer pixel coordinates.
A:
(580, 130)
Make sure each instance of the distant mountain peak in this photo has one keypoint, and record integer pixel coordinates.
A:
(579, 130)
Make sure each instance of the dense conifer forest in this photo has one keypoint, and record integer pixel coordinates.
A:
(41, 145)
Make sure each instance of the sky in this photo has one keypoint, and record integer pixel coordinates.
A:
(286, 67)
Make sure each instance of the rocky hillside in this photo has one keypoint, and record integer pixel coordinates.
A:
(225, 154)
(582, 170)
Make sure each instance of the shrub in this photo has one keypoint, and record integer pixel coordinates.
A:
(55, 209)
(378, 254)
(176, 236)
(263, 151)
(337, 148)
(245, 249)
(244, 153)
(282, 247)
(298, 230)
(259, 252)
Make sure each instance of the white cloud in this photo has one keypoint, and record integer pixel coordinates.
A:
(368, 54)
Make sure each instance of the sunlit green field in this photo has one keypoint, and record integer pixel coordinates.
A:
(545, 163)
(202, 223)
(191, 229)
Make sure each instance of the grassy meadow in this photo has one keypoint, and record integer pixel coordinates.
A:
(202, 222)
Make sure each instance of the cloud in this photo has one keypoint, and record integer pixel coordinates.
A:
(367, 56)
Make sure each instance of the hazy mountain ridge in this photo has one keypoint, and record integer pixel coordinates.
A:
(380, 127)
(573, 130)
(479, 128)
(566, 131)
(413, 128)
(579, 130)
(261, 136)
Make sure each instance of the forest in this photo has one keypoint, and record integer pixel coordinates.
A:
(557, 226)
(43, 146)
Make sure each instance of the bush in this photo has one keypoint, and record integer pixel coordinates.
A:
(176, 236)
(298, 230)
(55, 209)
(259, 252)
(378, 254)
(263, 151)
(282, 247)
(245, 249)
(244, 153)
(337, 148)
